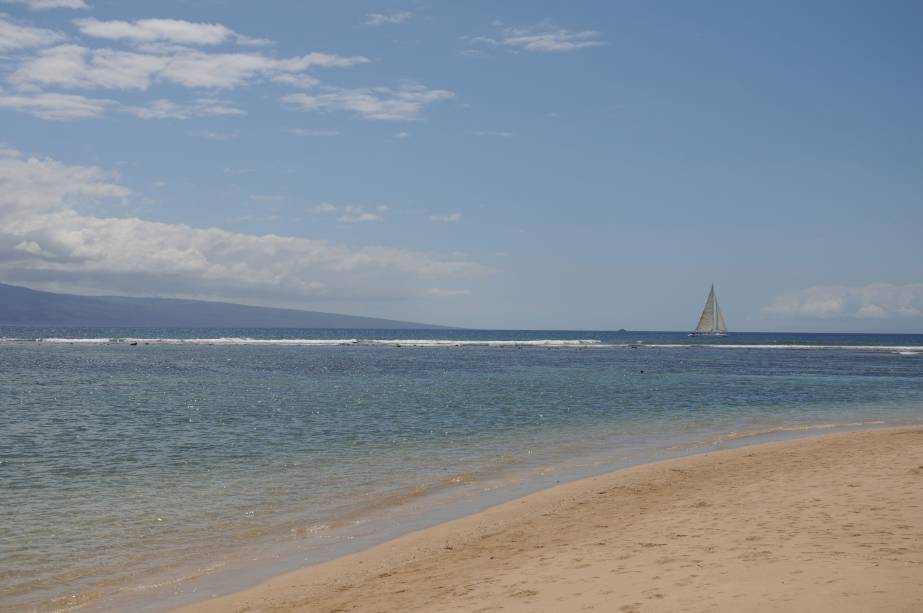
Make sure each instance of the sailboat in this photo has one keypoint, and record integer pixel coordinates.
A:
(711, 323)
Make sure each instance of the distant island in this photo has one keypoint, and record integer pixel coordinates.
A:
(21, 306)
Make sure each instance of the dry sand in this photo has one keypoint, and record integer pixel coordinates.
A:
(832, 523)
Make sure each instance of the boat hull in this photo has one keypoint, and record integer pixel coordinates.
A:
(708, 334)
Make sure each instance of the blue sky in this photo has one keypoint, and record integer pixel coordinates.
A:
(587, 165)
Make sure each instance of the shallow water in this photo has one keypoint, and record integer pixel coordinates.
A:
(161, 470)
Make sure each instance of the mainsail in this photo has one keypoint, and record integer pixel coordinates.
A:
(712, 320)
(720, 326)
(707, 320)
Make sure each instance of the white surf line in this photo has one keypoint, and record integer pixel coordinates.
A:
(891, 348)
(315, 342)
(907, 350)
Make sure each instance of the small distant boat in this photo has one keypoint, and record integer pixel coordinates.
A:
(711, 323)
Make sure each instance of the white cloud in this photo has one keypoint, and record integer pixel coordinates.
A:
(441, 292)
(15, 36)
(446, 217)
(544, 37)
(44, 5)
(359, 217)
(30, 186)
(476, 54)
(381, 19)
(356, 214)
(46, 240)
(296, 80)
(381, 103)
(256, 218)
(878, 300)
(493, 133)
(78, 67)
(217, 70)
(402, 135)
(348, 213)
(218, 136)
(323, 207)
(309, 132)
(9, 152)
(167, 109)
(62, 107)
(81, 67)
(153, 30)
(265, 198)
(162, 55)
(871, 311)
(56, 106)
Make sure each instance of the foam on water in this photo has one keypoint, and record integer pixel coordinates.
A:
(447, 342)
(189, 341)
(333, 342)
(889, 348)
(763, 432)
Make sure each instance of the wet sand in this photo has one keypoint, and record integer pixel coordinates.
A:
(832, 523)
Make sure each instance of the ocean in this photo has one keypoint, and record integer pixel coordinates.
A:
(141, 469)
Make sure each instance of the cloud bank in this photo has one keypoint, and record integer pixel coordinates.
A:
(75, 66)
(173, 52)
(55, 77)
(875, 301)
(47, 240)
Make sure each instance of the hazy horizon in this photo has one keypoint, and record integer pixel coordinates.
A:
(567, 167)
(439, 325)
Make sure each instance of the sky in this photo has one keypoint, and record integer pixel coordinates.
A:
(524, 165)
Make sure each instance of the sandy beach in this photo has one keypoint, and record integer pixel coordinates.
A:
(830, 523)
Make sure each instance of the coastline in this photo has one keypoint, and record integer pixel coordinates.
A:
(831, 522)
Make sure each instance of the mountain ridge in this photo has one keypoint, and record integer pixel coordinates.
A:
(22, 306)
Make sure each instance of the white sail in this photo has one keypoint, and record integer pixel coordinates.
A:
(711, 323)
(707, 320)
(720, 326)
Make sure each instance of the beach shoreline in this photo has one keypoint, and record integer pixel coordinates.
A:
(827, 522)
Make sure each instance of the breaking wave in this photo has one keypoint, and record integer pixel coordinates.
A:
(906, 350)
(314, 342)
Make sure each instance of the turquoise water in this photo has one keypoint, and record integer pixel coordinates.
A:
(147, 467)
